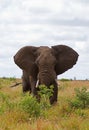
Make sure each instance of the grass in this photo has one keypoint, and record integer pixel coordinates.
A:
(57, 117)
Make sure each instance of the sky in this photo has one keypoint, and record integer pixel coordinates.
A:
(44, 23)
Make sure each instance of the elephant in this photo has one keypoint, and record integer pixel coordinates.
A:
(41, 65)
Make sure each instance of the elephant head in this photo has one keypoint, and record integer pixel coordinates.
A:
(43, 64)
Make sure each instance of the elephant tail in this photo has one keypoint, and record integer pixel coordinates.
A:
(16, 84)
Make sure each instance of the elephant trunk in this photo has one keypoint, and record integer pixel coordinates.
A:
(46, 76)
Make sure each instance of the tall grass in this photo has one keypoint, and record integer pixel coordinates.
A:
(23, 112)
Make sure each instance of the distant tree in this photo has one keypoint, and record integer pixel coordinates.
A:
(74, 78)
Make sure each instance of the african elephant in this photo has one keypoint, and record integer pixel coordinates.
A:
(41, 65)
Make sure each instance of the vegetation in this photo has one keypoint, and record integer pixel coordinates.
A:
(20, 111)
(81, 100)
(63, 79)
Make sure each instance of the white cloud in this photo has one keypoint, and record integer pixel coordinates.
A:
(43, 22)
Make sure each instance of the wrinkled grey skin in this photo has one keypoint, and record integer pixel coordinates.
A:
(43, 64)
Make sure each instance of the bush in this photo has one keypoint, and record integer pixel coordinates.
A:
(63, 79)
(81, 99)
(5, 103)
(30, 105)
(45, 93)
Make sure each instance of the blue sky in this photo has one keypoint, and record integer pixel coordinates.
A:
(44, 22)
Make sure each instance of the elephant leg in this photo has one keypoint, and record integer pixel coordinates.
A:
(26, 82)
(33, 84)
(53, 98)
(34, 88)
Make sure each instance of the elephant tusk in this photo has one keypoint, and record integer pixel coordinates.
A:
(37, 83)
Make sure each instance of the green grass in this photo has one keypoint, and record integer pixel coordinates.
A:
(23, 112)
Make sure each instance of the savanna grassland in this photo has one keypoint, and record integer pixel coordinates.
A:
(20, 111)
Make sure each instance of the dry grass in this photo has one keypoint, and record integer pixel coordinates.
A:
(58, 117)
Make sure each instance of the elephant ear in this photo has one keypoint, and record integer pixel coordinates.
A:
(66, 58)
(25, 58)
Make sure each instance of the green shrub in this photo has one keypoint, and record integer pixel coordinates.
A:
(30, 105)
(63, 79)
(12, 79)
(5, 103)
(81, 99)
(45, 93)
(81, 112)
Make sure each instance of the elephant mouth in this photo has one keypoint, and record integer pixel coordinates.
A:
(38, 83)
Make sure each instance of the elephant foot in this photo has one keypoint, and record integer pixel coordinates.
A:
(26, 90)
(53, 101)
